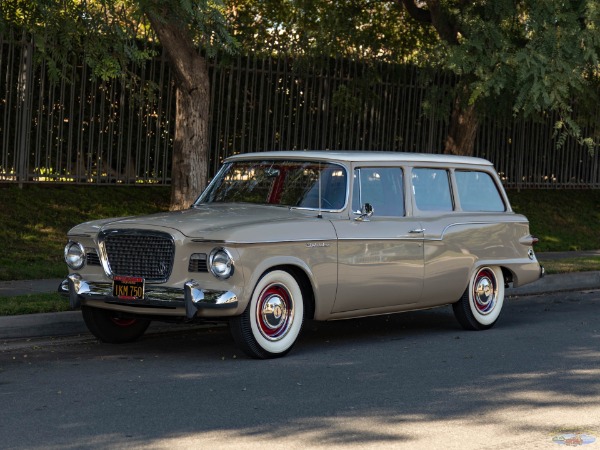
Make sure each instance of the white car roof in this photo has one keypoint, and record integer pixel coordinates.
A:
(363, 156)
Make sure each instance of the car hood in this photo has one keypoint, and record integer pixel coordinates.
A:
(205, 221)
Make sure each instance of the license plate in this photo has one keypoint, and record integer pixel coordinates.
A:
(128, 288)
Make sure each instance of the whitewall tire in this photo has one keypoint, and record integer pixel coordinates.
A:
(481, 304)
(272, 321)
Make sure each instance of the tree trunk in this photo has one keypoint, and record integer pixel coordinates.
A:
(190, 146)
(190, 149)
(463, 129)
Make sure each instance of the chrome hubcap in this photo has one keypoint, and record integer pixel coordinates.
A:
(485, 291)
(274, 312)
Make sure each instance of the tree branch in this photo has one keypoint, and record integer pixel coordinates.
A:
(419, 14)
(442, 22)
(434, 15)
(184, 58)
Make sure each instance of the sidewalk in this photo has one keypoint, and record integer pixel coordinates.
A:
(27, 287)
(71, 324)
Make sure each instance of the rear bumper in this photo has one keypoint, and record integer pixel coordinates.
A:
(191, 301)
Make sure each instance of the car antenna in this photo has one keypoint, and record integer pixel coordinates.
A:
(319, 215)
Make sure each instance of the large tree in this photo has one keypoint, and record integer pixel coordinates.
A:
(530, 57)
(359, 29)
(185, 29)
(114, 33)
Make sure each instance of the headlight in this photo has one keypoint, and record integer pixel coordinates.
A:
(74, 255)
(220, 263)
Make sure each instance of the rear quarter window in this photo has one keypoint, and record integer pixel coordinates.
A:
(478, 192)
(431, 188)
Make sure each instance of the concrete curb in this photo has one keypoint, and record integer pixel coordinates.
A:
(577, 281)
(63, 324)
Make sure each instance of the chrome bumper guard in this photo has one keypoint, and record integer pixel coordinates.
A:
(192, 295)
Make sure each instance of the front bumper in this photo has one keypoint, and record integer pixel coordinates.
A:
(191, 301)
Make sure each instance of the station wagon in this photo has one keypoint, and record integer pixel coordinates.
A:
(278, 238)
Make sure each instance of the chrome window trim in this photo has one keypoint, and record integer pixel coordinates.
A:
(294, 159)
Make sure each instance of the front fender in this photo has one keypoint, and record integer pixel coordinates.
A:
(320, 269)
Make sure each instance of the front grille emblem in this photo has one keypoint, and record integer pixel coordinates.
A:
(162, 267)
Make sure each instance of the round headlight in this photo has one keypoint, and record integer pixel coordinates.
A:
(74, 255)
(220, 263)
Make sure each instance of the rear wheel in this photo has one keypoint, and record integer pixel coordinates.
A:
(272, 321)
(107, 326)
(481, 304)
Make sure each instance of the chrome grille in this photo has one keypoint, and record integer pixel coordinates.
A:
(139, 253)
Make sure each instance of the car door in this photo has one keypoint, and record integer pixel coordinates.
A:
(380, 258)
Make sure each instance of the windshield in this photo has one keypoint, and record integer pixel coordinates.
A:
(283, 183)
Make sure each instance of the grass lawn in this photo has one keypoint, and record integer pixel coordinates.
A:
(563, 220)
(32, 304)
(568, 265)
(34, 220)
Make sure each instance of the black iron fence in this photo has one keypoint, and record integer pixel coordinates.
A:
(87, 131)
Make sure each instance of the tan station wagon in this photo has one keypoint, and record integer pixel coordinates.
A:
(281, 237)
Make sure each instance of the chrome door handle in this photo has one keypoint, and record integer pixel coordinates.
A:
(417, 230)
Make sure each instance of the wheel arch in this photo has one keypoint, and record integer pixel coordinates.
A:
(304, 281)
(509, 275)
(298, 269)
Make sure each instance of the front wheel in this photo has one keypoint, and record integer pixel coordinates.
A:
(107, 326)
(272, 321)
(481, 304)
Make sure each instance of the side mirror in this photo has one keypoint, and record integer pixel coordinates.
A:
(365, 213)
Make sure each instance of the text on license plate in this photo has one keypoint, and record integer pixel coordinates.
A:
(128, 288)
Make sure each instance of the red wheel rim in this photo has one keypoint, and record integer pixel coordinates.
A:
(124, 323)
(274, 312)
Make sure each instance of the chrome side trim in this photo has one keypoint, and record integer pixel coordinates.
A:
(282, 241)
(208, 241)
(471, 223)
(394, 238)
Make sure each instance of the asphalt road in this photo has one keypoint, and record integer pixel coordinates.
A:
(412, 381)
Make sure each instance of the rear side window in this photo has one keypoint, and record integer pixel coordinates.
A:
(382, 187)
(478, 192)
(432, 189)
